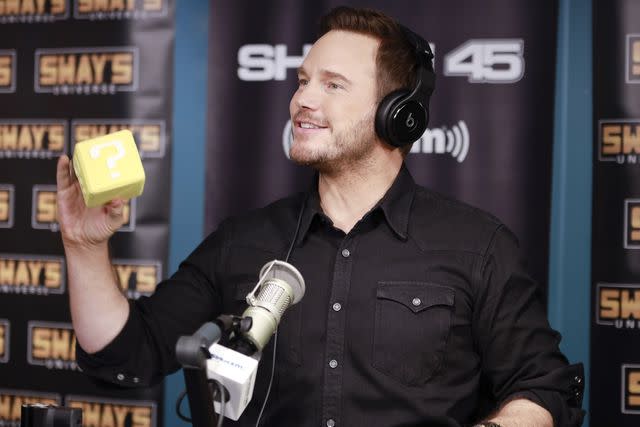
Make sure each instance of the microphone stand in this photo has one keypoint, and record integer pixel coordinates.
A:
(192, 352)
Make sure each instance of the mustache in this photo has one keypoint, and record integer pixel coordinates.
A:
(304, 116)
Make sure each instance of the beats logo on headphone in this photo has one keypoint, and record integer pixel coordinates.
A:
(403, 115)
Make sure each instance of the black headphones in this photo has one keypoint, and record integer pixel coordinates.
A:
(403, 115)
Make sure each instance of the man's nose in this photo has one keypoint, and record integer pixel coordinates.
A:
(308, 97)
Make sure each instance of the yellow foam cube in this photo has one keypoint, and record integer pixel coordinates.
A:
(108, 167)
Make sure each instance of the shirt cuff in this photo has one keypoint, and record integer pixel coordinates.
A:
(112, 363)
(563, 399)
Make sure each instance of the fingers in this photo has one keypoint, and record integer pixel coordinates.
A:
(65, 175)
(63, 179)
(72, 171)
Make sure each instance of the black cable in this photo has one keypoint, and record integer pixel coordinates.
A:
(273, 368)
(219, 390)
(223, 402)
(295, 235)
(178, 404)
(275, 337)
(215, 392)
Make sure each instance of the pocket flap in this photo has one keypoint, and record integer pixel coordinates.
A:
(416, 296)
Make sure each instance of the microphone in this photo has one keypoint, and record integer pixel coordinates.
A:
(280, 286)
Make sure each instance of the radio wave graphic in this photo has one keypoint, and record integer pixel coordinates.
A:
(454, 141)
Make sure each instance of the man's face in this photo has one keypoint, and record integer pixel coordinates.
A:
(333, 110)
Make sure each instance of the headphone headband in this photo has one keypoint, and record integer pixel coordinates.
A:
(425, 78)
(421, 48)
(403, 115)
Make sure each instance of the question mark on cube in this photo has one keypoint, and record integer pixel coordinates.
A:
(108, 167)
(111, 160)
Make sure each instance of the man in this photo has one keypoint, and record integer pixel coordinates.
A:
(417, 310)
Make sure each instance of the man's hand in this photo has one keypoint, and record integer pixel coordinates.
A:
(82, 227)
(522, 413)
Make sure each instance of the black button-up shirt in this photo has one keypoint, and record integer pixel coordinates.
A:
(421, 315)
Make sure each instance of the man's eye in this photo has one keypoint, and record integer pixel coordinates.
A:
(302, 82)
(332, 85)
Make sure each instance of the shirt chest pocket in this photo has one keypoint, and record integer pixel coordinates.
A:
(412, 324)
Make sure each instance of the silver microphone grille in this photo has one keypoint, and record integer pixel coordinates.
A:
(280, 270)
(272, 293)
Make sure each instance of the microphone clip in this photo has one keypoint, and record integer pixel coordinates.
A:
(232, 324)
(234, 329)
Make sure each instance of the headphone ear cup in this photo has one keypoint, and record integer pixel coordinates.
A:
(401, 120)
(385, 114)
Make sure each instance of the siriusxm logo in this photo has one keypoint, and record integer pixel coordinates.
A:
(452, 141)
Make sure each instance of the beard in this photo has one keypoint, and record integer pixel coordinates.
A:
(344, 149)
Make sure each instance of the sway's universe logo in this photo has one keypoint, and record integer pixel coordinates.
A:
(87, 71)
(7, 70)
(31, 274)
(137, 277)
(52, 345)
(149, 135)
(633, 58)
(121, 9)
(32, 138)
(44, 210)
(98, 411)
(4, 340)
(33, 11)
(619, 140)
(450, 141)
(632, 223)
(11, 402)
(618, 305)
(630, 389)
(6, 205)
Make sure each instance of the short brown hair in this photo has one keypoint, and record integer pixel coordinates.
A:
(396, 65)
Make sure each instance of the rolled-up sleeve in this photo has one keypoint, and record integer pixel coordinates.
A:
(519, 351)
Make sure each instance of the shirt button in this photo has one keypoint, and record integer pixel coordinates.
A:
(120, 377)
(337, 306)
(331, 422)
(346, 253)
(136, 380)
(416, 302)
(333, 363)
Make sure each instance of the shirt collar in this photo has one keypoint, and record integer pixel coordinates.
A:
(311, 209)
(395, 205)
